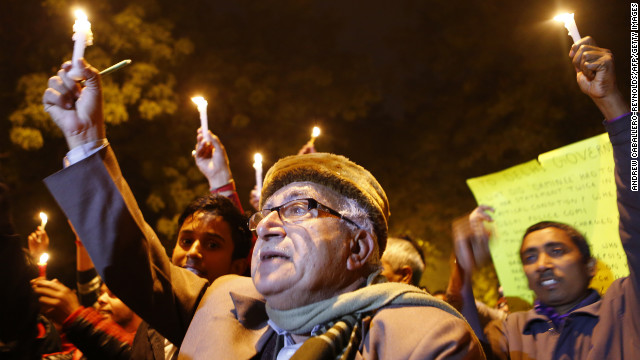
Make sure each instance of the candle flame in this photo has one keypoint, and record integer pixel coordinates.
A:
(257, 158)
(200, 101)
(82, 25)
(44, 218)
(80, 15)
(316, 132)
(44, 258)
(564, 17)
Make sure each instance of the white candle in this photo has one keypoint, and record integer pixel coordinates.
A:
(204, 122)
(82, 37)
(43, 218)
(257, 164)
(570, 24)
(314, 134)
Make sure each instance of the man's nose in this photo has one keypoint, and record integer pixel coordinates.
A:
(195, 251)
(544, 262)
(270, 226)
(102, 299)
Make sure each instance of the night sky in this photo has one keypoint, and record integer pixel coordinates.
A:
(424, 94)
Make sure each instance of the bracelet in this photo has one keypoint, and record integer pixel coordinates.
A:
(230, 186)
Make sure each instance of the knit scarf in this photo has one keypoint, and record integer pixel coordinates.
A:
(369, 298)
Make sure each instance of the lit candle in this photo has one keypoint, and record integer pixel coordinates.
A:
(204, 122)
(42, 265)
(82, 37)
(257, 164)
(570, 24)
(43, 218)
(314, 134)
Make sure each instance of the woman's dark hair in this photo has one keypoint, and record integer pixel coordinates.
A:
(221, 206)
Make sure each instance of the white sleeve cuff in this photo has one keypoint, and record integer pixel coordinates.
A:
(83, 151)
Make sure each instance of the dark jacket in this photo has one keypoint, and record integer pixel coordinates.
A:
(608, 328)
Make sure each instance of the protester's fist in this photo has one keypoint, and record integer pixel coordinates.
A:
(38, 242)
(211, 158)
(594, 67)
(77, 110)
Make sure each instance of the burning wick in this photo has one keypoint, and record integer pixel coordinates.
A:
(82, 37)
(314, 134)
(257, 164)
(42, 265)
(43, 218)
(204, 122)
(570, 24)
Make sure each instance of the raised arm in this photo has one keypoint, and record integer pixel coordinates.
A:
(97, 200)
(470, 243)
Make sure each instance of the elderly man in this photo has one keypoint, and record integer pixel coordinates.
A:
(569, 320)
(314, 290)
(402, 262)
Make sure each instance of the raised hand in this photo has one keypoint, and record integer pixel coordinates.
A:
(596, 77)
(211, 159)
(38, 242)
(77, 110)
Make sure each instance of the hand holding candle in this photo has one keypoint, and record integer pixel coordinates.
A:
(204, 122)
(570, 24)
(82, 37)
(42, 265)
(257, 164)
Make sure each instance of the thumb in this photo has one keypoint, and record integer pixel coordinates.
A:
(91, 75)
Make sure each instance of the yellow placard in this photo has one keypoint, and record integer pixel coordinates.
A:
(574, 185)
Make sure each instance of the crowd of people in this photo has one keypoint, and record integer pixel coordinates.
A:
(311, 274)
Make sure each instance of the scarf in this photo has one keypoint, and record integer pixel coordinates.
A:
(559, 320)
(366, 299)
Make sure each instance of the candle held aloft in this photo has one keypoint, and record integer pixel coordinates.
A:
(204, 121)
(257, 164)
(43, 220)
(314, 134)
(570, 24)
(82, 37)
(42, 265)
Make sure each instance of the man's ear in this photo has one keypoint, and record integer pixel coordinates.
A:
(406, 274)
(591, 267)
(361, 246)
(239, 266)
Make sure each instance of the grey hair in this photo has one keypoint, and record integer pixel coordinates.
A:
(356, 213)
(401, 252)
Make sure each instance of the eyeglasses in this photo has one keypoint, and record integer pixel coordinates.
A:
(296, 211)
